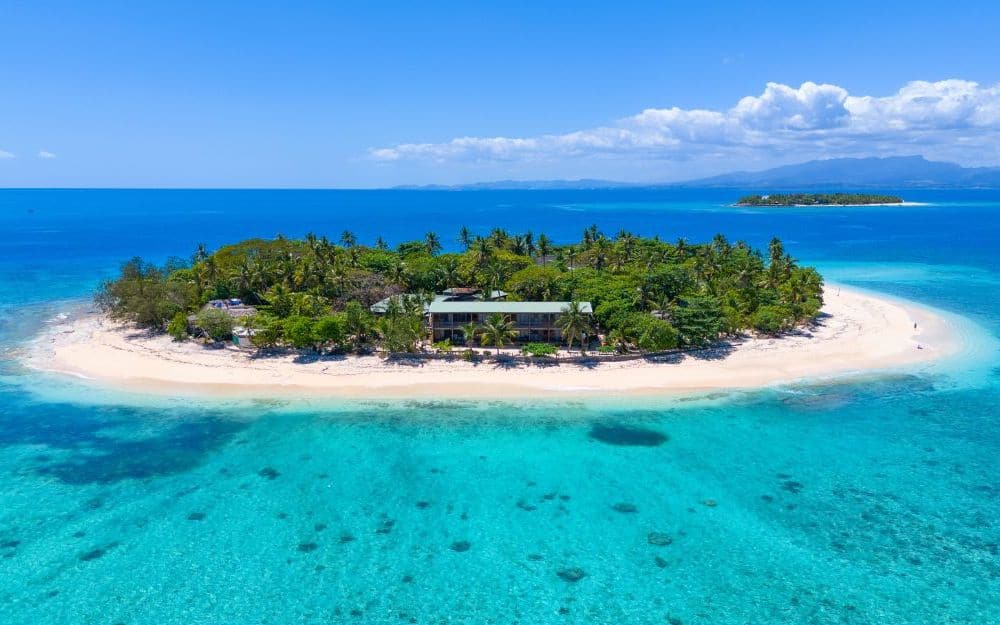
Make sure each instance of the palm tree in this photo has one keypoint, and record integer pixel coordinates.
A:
(497, 330)
(499, 237)
(348, 239)
(469, 332)
(449, 272)
(482, 252)
(573, 323)
(544, 247)
(465, 237)
(519, 245)
(381, 244)
(432, 243)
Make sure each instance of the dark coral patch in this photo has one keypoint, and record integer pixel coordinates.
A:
(627, 436)
(346, 538)
(269, 473)
(407, 579)
(572, 574)
(308, 547)
(625, 508)
(423, 505)
(196, 516)
(535, 557)
(659, 539)
(9, 544)
(527, 507)
(319, 527)
(792, 486)
(660, 562)
(461, 545)
(386, 526)
(93, 554)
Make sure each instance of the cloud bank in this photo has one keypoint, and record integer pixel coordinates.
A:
(950, 119)
(5, 154)
(45, 154)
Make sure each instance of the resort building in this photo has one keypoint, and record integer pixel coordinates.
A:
(456, 294)
(533, 321)
(448, 311)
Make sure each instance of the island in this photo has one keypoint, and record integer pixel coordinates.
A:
(504, 315)
(818, 199)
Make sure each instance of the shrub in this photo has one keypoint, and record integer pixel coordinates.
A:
(539, 350)
(770, 319)
(217, 324)
(299, 332)
(443, 346)
(178, 327)
(606, 349)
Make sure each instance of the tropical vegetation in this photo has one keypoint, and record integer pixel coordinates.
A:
(647, 294)
(817, 199)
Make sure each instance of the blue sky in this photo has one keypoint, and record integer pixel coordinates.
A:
(319, 95)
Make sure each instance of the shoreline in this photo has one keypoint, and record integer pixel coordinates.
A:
(858, 333)
(830, 205)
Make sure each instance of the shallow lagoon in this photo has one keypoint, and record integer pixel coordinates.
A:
(869, 501)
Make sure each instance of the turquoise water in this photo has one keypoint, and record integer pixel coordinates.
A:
(872, 501)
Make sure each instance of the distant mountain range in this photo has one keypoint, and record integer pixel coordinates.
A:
(895, 172)
(527, 185)
(898, 172)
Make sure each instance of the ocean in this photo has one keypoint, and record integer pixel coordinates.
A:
(868, 500)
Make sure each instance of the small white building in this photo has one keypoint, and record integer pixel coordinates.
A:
(243, 337)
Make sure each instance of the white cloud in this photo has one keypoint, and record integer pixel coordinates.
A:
(5, 154)
(45, 154)
(953, 119)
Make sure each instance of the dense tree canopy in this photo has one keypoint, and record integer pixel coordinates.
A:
(647, 294)
(817, 199)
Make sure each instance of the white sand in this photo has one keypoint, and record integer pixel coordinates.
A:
(859, 333)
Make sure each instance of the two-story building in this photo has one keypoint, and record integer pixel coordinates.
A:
(533, 321)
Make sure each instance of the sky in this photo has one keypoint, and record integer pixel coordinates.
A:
(358, 95)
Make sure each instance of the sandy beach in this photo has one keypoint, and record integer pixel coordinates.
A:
(857, 333)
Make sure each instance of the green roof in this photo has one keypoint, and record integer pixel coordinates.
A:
(510, 308)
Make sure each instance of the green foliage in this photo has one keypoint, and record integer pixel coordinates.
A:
(646, 292)
(299, 332)
(331, 330)
(537, 282)
(573, 323)
(654, 335)
(814, 199)
(217, 324)
(443, 346)
(497, 331)
(699, 321)
(539, 350)
(268, 331)
(145, 295)
(178, 327)
(357, 322)
(771, 319)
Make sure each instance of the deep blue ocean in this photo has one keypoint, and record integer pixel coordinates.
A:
(871, 500)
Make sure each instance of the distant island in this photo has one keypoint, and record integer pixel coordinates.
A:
(818, 199)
